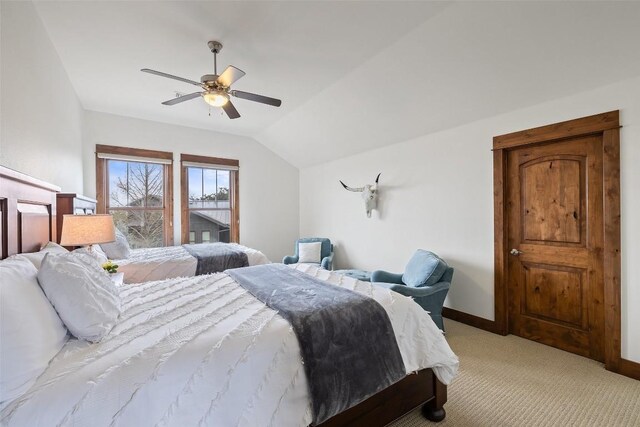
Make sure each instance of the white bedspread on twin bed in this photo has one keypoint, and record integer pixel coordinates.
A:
(147, 264)
(202, 351)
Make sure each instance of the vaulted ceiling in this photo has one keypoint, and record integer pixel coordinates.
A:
(352, 75)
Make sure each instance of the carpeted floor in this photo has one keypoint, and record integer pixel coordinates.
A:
(510, 381)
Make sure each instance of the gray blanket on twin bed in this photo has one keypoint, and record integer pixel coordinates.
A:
(346, 339)
(216, 257)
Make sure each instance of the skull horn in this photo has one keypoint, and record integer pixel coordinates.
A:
(377, 178)
(357, 190)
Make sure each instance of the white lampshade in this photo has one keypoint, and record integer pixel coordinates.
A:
(81, 230)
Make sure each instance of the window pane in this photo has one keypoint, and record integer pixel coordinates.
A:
(117, 173)
(192, 237)
(209, 184)
(223, 185)
(206, 236)
(135, 184)
(212, 223)
(196, 187)
(143, 229)
(208, 188)
(194, 184)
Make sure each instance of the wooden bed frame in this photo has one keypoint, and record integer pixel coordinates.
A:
(28, 221)
(27, 213)
(422, 388)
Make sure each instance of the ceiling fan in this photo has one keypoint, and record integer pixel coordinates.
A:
(217, 88)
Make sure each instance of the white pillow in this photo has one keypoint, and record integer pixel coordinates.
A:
(96, 253)
(309, 252)
(100, 253)
(31, 333)
(54, 248)
(34, 257)
(82, 293)
(119, 249)
(37, 257)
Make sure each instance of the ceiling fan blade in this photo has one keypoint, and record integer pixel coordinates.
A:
(230, 110)
(170, 76)
(256, 98)
(230, 75)
(182, 98)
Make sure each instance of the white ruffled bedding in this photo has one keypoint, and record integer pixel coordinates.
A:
(147, 264)
(201, 351)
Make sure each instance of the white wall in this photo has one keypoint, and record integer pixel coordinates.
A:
(437, 194)
(41, 117)
(268, 185)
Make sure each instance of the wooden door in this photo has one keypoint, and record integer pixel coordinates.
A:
(554, 208)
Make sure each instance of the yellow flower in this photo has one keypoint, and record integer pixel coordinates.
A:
(110, 267)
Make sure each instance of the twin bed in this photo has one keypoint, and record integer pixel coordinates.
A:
(205, 350)
(148, 264)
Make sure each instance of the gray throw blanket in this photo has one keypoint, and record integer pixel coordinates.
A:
(216, 257)
(346, 339)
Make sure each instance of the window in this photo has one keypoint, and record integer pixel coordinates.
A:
(209, 199)
(192, 237)
(134, 186)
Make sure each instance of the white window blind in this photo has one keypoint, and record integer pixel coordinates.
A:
(134, 158)
(210, 166)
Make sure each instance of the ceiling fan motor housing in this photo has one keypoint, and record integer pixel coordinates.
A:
(209, 79)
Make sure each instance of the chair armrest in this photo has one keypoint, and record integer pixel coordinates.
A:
(290, 259)
(410, 291)
(385, 276)
(327, 262)
(448, 275)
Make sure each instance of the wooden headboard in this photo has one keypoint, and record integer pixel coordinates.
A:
(27, 212)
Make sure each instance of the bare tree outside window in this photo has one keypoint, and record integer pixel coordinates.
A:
(136, 201)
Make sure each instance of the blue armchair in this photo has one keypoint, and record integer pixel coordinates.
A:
(426, 279)
(326, 252)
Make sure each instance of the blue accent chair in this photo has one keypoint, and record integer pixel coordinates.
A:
(326, 252)
(426, 279)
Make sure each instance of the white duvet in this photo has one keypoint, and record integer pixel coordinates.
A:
(147, 264)
(201, 351)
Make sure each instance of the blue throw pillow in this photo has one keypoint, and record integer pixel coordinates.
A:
(424, 269)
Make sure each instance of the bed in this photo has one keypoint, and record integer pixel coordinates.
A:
(203, 351)
(148, 264)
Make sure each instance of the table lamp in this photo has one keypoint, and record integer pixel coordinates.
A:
(87, 230)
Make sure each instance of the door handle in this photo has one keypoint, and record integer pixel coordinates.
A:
(515, 252)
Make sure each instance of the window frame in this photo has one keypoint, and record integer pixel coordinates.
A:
(102, 182)
(234, 192)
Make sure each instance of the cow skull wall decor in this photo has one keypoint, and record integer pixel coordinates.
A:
(369, 194)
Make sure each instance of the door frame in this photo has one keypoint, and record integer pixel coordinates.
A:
(608, 126)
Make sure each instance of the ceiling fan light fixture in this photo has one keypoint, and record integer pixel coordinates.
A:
(216, 99)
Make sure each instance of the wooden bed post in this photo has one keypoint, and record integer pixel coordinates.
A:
(433, 410)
